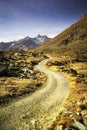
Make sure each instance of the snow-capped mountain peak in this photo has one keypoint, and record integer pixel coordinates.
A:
(26, 42)
(41, 39)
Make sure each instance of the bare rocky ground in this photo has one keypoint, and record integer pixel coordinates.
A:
(18, 75)
(39, 110)
(73, 113)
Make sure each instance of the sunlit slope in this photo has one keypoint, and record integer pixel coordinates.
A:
(76, 33)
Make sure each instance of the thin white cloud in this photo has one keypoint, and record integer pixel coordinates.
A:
(13, 11)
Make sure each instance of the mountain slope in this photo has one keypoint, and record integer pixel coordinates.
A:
(75, 32)
(41, 39)
(23, 44)
(5, 46)
(69, 51)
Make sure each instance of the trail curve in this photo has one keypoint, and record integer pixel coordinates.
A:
(39, 110)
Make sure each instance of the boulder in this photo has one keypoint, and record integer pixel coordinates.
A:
(84, 112)
(3, 70)
(74, 72)
(60, 127)
(79, 125)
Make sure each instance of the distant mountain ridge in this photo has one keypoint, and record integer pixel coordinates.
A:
(24, 44)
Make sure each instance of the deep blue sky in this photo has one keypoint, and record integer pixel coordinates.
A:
(20, 18)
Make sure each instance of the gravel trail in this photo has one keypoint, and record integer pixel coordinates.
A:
(39, 110)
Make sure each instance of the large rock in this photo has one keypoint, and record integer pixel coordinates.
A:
(79, 125)
(74, 72)
(3, 70)
(84, 112)
(60, 127)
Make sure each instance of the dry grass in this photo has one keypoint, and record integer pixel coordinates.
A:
(69, 50)
(72, 35)
(77, 90)
(19, 76)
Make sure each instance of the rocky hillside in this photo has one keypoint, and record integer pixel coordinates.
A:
(23, 44)
(5, 46)
(69, 50)
(75, 33)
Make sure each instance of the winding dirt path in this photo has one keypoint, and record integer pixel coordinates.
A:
(39, 110)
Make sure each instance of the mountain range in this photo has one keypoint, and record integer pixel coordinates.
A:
(24, 44)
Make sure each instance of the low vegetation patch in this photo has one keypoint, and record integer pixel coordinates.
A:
(18, 75)
(71, 115)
